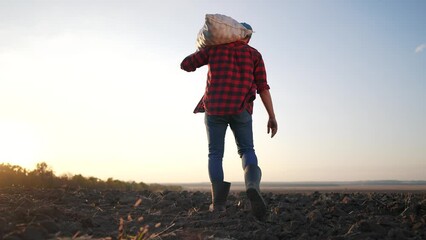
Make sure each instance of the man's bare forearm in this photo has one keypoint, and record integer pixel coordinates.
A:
(272, 126)
(265, 95)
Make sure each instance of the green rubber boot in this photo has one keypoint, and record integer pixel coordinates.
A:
(220, 191)
(252, 176)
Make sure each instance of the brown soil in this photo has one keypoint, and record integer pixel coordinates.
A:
(91, 214)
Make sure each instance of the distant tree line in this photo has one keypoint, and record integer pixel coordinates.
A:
(43, 177)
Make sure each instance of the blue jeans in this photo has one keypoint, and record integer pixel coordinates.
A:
(241, 126)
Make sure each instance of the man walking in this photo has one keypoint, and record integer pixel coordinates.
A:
(236, 72)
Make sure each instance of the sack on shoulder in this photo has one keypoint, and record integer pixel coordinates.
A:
(220, 29)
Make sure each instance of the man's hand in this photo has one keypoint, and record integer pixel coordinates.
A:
(272, 127)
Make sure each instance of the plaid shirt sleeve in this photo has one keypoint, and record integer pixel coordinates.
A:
(195, 60)
(260, 73)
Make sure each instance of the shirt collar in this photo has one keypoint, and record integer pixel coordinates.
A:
(236, 44)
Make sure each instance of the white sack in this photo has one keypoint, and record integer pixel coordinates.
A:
(220, 29)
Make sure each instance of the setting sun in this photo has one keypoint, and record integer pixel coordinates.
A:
(19, 144)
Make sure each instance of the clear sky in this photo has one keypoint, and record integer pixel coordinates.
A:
(95, 87)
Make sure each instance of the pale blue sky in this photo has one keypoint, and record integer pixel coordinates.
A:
(94, 87)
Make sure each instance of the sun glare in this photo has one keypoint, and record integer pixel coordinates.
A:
(18, 145)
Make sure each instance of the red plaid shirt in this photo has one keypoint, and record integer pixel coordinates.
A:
(236, 71)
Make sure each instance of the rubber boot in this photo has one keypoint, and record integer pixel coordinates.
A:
(252, 176)
(220, 191)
